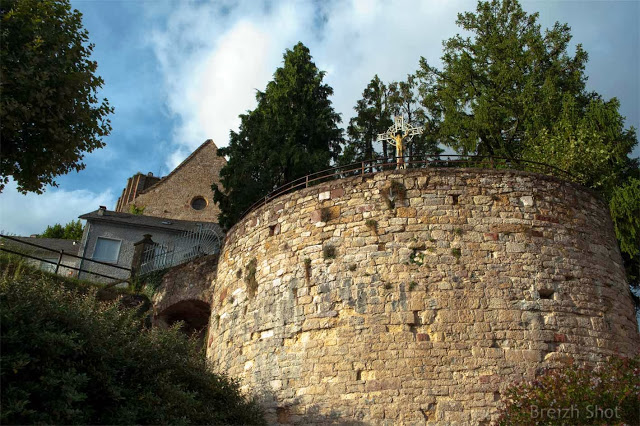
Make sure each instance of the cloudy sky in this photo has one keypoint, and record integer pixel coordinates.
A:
(180, 72)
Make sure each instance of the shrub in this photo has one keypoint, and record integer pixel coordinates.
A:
(609, 394)
(69, 359)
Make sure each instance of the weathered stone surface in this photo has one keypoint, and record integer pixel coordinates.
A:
(401, 327)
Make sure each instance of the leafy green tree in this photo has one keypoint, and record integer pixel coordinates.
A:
(502, 85)
(292, 132)
(50, 113)
(591, 143)
(372, 117)
(511, 90)
(68, 358)
(71, 231)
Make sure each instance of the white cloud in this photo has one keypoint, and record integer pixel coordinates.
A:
(31, 214)
(213, 58)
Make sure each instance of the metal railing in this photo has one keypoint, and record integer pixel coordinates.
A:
(370, 167)
(61, 254)
(190, 245)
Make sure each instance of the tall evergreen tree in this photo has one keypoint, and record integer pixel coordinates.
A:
(293, 131)
(499, 87)
(372, 117)
(512, 90)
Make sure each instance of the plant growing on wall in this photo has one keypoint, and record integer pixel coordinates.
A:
(133, 209)
(250, 277)
(372, 224)
(307, 268)
(328, 252)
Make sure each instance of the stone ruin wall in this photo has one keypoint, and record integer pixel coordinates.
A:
(475, 280)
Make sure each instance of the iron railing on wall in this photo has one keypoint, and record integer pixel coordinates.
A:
(370, 167)
(61, 254)
(190, 245)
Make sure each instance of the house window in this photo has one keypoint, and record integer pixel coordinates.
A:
(107, 250)
(198, 203)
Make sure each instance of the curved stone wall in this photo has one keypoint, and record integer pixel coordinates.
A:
(416, 295)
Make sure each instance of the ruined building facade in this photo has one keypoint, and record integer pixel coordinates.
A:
(183, 194)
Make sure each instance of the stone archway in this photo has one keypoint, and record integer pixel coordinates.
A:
(194, 315)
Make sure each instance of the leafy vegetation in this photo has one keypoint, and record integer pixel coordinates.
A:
(68, 358)
(503, 84)
(607, 395)
(510, 89)
(374, 114)
(133, 209)
(49, 108)
(71, 231)
(292, 132)
(329, 252)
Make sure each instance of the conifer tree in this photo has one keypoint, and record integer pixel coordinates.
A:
(372, 117)
(503, 84)
(292, 132)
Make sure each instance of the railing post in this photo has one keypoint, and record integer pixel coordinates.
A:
(138, 250)
(362, 167)
(59, 261)
(306, 181)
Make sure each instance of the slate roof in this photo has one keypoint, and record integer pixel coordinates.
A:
(57, 244)
(142, 221)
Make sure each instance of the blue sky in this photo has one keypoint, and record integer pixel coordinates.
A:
(179, 72)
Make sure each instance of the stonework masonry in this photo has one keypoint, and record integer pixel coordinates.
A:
(416, 296)
(173, 195)
(135, 185)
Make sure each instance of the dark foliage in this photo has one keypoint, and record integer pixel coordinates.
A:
(49, 108)
(69, 359)
(291, 133)
(609, 394)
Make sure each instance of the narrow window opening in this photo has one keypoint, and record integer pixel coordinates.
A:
(546, 293)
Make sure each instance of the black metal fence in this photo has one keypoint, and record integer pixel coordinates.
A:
(61, 254)
(370, 167)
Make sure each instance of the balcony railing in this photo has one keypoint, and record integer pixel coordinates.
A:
(370, 167)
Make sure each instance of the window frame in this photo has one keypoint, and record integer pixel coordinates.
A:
(95, 246)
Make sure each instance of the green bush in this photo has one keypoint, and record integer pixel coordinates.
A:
(609, 394)
(69, 359)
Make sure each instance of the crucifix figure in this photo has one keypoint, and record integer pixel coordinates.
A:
(397, 134)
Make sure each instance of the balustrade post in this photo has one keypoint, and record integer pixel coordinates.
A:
(138, 250)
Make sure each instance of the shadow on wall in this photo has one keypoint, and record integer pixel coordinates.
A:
(193, 315)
